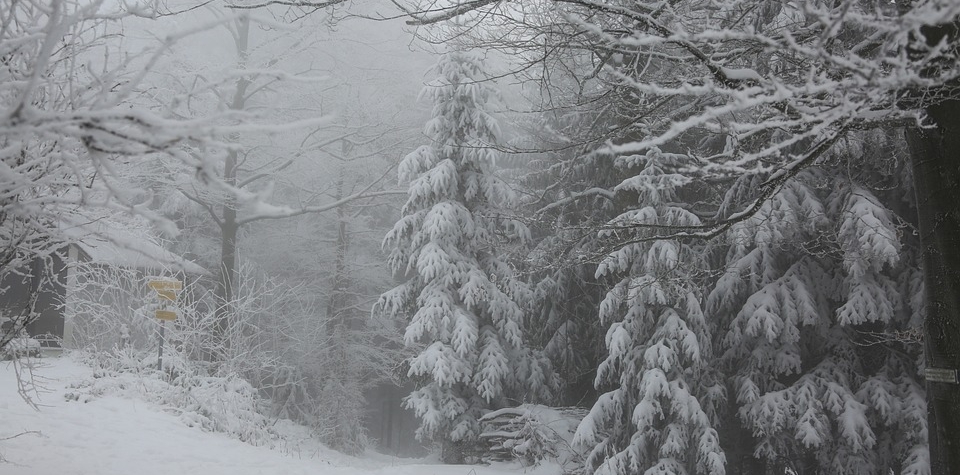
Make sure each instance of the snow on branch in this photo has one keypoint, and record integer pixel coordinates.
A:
(431, 15)
(709, 231)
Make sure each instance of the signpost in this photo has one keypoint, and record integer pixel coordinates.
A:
(167, 291)
(166, 315)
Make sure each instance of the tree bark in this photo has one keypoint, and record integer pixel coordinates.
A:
(936, 173)
(229, 228)
(227, 278)
(336, 307)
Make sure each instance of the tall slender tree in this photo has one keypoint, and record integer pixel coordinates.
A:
(660, 416)
(465, 305)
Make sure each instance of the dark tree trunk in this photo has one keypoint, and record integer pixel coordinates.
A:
(229, 227)
(346, 434)
(227, 278)
(936, 174)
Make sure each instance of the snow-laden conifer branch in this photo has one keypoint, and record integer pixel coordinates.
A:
(767, 189)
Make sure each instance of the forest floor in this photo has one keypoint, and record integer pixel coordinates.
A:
(71, 433)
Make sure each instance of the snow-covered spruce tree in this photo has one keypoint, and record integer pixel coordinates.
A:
(659, 416)
(814, 286)
(465, 305)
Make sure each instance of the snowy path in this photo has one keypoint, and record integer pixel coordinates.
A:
(112, 435)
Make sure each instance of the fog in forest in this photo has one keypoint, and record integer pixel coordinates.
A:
(561, 236)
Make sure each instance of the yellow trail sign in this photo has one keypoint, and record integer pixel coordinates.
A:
(165, 285)
(167, 289)
(168, 315)
(167, 294)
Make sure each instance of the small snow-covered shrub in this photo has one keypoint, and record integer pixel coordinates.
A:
(227, 404)
(533, 433)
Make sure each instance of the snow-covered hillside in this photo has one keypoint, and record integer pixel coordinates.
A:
(74, 433)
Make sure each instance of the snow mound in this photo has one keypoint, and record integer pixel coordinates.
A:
(94, 420)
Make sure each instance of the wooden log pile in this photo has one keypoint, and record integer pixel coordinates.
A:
(529, 433)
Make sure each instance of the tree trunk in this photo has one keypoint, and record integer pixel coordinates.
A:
(347, 429)
(228, 276)
(936, 173)
(336, 307)
(229, 228)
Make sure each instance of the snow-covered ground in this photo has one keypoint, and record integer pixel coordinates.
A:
(123, 435)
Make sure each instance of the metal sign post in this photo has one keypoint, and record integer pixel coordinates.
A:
(167, 291)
